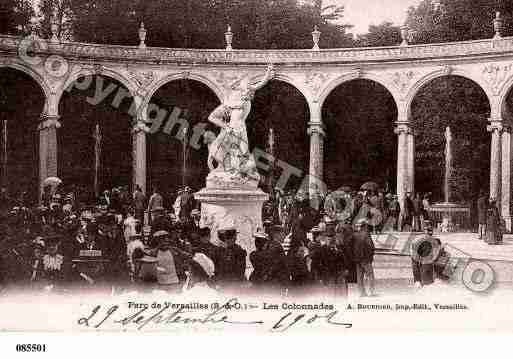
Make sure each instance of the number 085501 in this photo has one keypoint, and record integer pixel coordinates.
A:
(30, 348)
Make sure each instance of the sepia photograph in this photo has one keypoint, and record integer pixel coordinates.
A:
(255, 166)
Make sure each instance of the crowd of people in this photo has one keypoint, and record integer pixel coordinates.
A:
(382, 210)
(128, 239)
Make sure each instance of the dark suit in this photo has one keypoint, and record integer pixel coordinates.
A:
(482, 207)
(232, 265)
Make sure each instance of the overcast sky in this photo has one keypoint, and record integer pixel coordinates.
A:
(362, 13)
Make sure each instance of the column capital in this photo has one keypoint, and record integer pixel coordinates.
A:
(497, 125)
(49, 121)
(507, 127)
(403, 128)
(316, 127)
(140, 126)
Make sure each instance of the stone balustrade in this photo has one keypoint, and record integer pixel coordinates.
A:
(343, 55)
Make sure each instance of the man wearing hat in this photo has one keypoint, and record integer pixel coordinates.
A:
(115, 246)
(232, 264)
(482, 207)
(313, 248)
(156, 203)
(187, 204)
(279, 277)
(192, 223)
(160, 222)
(346, 241)
(139, 203)
(269, 263)
(363, 254)
(328, 264)
(259, 260)
(394, 211)
(91, 252)
(196, 217)
(92, 240)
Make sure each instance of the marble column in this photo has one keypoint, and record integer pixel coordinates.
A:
(47, 148)
(404, 159)
(410, 181)
(496, 128)
(506, 176)
(139, 156)
(316, 171)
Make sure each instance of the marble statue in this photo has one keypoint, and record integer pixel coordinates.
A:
(229, 157)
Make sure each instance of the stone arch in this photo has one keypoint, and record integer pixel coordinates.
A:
(290, 81)
(339, 105)
(414, 90)
(504, 93)
(45, 88)
(286, 79)
(178, 76)
(356, 75)
(116, 135)
(129, 85)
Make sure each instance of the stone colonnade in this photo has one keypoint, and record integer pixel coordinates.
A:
(501, 156)
(500, 167)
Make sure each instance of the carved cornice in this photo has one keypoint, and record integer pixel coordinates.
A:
(125, 54)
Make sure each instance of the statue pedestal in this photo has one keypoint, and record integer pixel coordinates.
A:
(231, 202)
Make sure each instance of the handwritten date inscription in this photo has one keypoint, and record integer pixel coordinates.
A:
(102, 317)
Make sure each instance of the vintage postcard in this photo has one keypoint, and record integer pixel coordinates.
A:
(255, 166)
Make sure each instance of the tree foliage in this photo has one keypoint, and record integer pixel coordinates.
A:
(457, 20)
(15, 17)
(59, 12)
(199, 23)
(384, 34)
